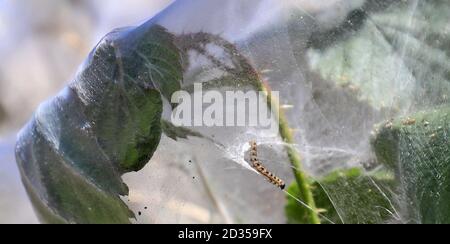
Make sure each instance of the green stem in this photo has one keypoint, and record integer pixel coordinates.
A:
(301, 178)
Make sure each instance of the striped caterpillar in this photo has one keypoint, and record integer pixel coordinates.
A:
(256, 164)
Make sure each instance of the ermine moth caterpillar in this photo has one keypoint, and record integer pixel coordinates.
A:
(256, 164)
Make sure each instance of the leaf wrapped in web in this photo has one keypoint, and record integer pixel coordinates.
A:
(105, 123)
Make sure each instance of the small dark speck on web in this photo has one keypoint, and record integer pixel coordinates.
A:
(139, 213)
(145, 207)
(193, 177)
(190, 161)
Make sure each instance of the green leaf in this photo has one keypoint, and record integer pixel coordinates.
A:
(104, 124)
(417, 148)
(396, 56)
(175, 132)
(230, 81)
(149, 57)
(359, 198)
